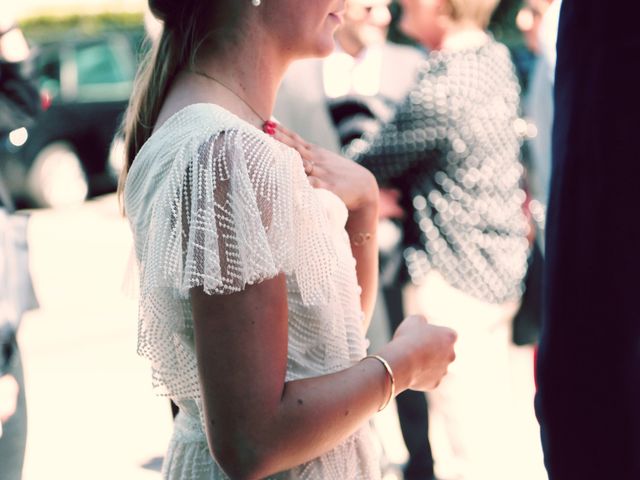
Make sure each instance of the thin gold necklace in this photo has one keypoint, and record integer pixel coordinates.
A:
(206, 75)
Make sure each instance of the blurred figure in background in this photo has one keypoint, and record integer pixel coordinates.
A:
(19, 103)
(538, 21)
(350, 93)
(357, 85)
(453, 149)
(588, 398)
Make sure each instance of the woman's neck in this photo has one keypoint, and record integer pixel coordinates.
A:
(247, 79)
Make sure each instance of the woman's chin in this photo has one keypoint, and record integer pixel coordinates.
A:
(325, 47)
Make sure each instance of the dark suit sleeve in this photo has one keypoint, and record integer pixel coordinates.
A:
(411, 140)
(588, 400)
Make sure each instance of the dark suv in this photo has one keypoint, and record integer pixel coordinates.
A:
(67, 156)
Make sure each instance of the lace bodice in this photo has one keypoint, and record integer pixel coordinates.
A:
(215, 203)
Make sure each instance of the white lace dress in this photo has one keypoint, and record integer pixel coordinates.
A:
(214, 202)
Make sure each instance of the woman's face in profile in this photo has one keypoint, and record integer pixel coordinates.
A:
(306, 26)
(420, 21)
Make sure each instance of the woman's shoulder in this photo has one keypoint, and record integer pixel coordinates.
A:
(200, 121)
(206, 148)
(201, 132)
(218, 184)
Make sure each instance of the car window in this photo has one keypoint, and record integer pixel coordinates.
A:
(105, 71)
(98, 64)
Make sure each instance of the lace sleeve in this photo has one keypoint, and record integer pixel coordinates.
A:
(216, 204)
(237, 210)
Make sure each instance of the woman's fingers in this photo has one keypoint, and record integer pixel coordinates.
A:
(281, 136)
(293, 135)
(315, 182)
(308, 166)
(292, 140)
(286, 136)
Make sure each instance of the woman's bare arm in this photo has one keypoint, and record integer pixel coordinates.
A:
(362, 228)
(257, 424)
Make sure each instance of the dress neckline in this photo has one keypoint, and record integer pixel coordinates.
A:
(182, 111)
(178, 114)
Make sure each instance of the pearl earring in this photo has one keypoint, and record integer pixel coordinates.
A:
(256, 3)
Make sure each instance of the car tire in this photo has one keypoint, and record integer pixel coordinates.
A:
(57, 178)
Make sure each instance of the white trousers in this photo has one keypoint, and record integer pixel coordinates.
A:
(481, 418)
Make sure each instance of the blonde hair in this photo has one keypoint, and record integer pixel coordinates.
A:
(476, 11)
(187, 25)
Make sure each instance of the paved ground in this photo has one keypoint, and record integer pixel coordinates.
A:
(92, 414)
(91, 410)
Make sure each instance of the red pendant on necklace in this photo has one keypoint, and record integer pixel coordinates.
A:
(269, 127)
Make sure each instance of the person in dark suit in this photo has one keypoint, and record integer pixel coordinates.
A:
(588, 401)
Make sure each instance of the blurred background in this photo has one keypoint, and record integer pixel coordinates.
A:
(92, 413)
(91, 410)
(83, 59)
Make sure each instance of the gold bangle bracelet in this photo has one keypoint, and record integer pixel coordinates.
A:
(392, 379)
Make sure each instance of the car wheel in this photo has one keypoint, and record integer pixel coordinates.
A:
(57, 178)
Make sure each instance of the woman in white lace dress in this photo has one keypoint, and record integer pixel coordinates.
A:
(257, 271)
